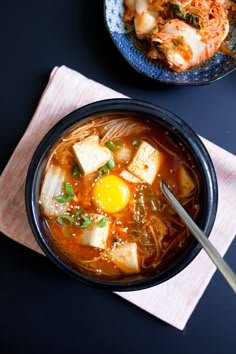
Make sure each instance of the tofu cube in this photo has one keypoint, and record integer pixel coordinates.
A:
(94, 235)
(129, 177)
(145, 163)
(126, 258)
(53, 186)
(185, 180)
(90, 155)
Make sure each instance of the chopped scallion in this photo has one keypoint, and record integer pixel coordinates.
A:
(87, 221)
(69, 193)
(114, 145)
(79, 212)
(76, 171)
(110, 164)
(102, 222)
(103, 171)
(69, 189)
(135, 142)
(65, 220)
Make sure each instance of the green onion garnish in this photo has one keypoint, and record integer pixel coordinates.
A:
(69, 189)
(102, 222)
(135, 142)
(110, 164)
(65, 220)
(103, 171)
(79, 212)
(76, 171)
(68, 195)
(114, 145)
(86, 223)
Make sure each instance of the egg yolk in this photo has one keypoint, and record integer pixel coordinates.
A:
(111, 194)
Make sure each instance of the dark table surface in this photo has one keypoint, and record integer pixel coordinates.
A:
(42, 310)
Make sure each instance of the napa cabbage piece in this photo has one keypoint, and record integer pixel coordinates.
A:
(179, 33)
(52, 187)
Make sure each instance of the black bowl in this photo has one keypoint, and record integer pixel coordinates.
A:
(158, 115)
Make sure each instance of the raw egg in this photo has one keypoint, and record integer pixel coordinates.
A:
(111, 194)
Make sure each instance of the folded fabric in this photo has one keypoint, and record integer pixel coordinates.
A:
(172, 301)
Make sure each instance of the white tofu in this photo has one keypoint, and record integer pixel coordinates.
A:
(145, 163)
(129, 177)
(126, 258)
(90, 154)
(185, 180)
(94, 235)
(53, 186)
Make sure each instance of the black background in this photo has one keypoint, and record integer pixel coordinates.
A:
(41, 309)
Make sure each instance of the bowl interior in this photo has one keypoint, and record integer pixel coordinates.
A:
(121, 107)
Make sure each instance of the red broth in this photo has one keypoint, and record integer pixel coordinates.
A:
(146, 220)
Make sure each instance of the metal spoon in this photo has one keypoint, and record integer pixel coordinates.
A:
(223, 267)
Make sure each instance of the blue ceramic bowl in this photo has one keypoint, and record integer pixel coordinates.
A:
(131, 48)
(157, 115)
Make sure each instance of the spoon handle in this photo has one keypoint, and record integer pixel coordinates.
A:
(223, 267)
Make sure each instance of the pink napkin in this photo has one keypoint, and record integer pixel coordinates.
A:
(172, 301)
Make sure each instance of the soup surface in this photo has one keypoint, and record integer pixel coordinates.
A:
(100, 195)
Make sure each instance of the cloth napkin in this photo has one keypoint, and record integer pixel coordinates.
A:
(172, 301)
